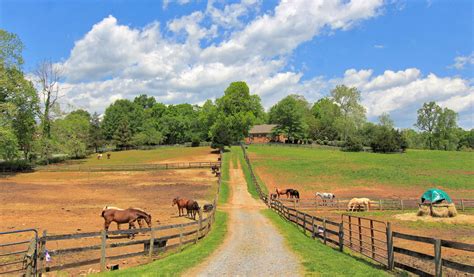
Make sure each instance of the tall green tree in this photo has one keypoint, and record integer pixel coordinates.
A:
(325, 112)
(72, 133)
(123, 134)
(352, 112)
(445, 132)
(96, 137)
(11, 48)
(122, 111)
(428, 119)
(289, 115)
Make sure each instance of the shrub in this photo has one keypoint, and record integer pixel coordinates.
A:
(195, 142)
(353, 144)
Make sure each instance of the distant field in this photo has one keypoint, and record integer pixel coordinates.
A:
(158, 155)
(368, 174)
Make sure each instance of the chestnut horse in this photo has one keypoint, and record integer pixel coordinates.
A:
(181, 203)
(121, 216)
(282, 192)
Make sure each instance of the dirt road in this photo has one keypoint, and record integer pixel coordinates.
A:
(253, 247)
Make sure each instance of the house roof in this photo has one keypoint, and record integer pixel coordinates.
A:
(262, 129)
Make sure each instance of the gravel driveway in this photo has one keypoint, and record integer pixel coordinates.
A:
(253, 246)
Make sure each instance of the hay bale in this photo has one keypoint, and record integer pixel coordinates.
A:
(452, 212)
(423, 210)
(440, 211)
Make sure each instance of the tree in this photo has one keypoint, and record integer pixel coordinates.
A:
(289, 115)
(11, 49)
(144, 101)
(385, 120)
(352, 113)
(73, 133)
(237, 110)
(48, 76)
(96, 137)
(123, 134)
(325, 112)
(445, 131)
(428, 119)
(122, 110)
(8, 144)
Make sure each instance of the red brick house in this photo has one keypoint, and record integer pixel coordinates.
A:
(263, 134)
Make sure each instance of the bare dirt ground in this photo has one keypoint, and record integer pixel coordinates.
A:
(253, 247)
(71, 202)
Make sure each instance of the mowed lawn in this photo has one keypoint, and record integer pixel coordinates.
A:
(175, 154)
(420, 169)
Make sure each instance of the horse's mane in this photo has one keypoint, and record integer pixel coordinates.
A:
(138, 209)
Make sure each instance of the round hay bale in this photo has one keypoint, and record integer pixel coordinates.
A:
(423, 210)
(444, 210)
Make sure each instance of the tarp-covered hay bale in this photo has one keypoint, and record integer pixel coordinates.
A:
(437, 210)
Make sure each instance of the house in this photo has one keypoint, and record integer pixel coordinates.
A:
(263, 134)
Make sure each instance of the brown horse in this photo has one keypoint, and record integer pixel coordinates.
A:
(192, 208)
(121, 216)
(181, 203)
(282, 192)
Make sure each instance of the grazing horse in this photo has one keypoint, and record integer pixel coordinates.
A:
(214, 169)
(358, 203)
(108, 156)
(281, 192)
(294, 193)
(192, 207)
(121, 216)
(99, 156)
(181, 203)
(325, 196)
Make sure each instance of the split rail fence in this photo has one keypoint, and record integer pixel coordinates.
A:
(128, 167)
(375, 239)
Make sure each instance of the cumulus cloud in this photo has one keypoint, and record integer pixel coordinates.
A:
(195, 57)
(461, 61)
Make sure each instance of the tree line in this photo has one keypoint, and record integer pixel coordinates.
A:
(33, 127)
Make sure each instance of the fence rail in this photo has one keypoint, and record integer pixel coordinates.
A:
(364, 237)
(128, 167)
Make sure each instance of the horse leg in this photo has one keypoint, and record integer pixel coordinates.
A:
(106, 227)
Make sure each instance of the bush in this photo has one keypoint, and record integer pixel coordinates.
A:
(195, 142)
(353, 144)
(387, 140)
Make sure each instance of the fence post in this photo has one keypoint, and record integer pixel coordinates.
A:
(103, 240)
(341, 237)
(462, 205)
(199, 224)
(360, 235)
(313, 228)
(181, 231)
(401, 203)
(324, 230)
(350, 231)
(372, 238)
(42, 249)
(304, 223)
(380, 204)
(152, 243)
(390, 260)
(294, 203)
(438, 260)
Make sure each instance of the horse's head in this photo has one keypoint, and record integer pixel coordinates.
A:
(175, 201)
(148, 220)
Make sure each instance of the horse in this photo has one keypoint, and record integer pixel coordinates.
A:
(357, 203)
(121, 216)
(214, 169)
(281, 192)
(273, 195)
(294, 193)
(108, 156)
(325, 196)
(192, 207)
(99, 156)
(181, 203)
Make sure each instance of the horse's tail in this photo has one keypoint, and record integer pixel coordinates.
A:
(103, 211)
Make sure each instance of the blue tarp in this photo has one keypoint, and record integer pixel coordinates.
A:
(435, 195)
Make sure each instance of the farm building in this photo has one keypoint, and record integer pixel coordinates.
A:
(263, 134)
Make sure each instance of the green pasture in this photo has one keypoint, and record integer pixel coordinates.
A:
(146, 156)
(177, 264)
(424, 168)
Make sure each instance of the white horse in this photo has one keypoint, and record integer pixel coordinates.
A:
(325, 196)
(358, 202)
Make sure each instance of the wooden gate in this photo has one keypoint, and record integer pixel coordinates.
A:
(369, 237)
(19, 254)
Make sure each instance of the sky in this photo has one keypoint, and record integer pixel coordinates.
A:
(398, 53)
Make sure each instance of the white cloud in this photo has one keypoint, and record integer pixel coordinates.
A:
(180, 2)
(190, 59)
(461, 61)
(379, 46)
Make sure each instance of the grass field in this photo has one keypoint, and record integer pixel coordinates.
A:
(392, 174)
(225, 189)
(319, 259)
(158, 155)
(176, 264)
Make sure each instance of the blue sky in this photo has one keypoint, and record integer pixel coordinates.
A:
(398, 53)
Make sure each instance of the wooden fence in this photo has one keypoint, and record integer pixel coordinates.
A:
(128, 167)
(375, 204)
(371, 238)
